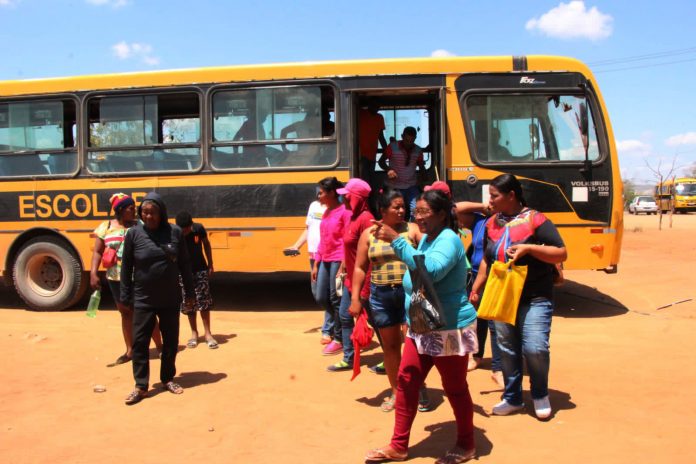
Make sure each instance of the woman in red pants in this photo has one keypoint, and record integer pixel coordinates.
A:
(448, 348)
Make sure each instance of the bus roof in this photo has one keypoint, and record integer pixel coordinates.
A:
(300, 70)
(680, 180)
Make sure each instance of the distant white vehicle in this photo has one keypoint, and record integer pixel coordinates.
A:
(642, 204)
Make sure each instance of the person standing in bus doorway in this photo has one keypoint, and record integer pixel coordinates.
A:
(154, 256)
(196, 238)
(312, 237)
(109, 243)
(329, 257)
(370, 133)
(355, 195)
(534, 242)
(400, 161)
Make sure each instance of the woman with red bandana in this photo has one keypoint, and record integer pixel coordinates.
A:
(355, 194)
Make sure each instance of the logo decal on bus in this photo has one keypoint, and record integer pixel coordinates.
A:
(531, 80)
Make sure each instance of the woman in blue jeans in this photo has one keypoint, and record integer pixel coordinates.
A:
(528, 238)
(329, 257)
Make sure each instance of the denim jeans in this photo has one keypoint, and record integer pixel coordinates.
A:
(482, 328)
(326, 295)
(327, 326)
(347, 324)
(528, 339)
(410, 194)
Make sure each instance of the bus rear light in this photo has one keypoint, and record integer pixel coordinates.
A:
(597, 248)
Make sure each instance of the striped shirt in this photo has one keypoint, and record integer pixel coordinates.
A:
(405, 172)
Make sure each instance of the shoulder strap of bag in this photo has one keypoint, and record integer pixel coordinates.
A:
(504, 242)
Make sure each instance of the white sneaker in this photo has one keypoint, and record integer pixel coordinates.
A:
(542, 408)
(504, 408)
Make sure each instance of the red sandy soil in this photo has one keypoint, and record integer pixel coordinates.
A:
(622, 379)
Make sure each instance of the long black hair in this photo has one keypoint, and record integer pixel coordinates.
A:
(506, 183)
(438, 201)
(385, 198)
(330, 184)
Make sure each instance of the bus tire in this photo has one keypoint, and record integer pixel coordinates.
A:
(47, 274)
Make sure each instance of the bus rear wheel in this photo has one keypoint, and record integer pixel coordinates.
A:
(48, 275)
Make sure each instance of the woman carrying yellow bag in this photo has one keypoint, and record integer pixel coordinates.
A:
(532, 241)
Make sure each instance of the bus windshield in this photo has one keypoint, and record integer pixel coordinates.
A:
(531, 128)
(686, 189)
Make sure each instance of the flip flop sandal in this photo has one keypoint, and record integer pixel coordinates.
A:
(457, 456)
(135, 397)
(123, 359)
(380, 455)
(174, 388)
(388, 404)
(212, 344)
(192, 343)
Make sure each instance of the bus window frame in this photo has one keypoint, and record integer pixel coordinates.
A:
(602, 140)
(199, 91)
(78, 142)
(259, 85)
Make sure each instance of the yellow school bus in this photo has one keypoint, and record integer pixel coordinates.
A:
(678, 194)
(217, 142)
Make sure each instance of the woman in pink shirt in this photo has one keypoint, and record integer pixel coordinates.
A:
(329, 257)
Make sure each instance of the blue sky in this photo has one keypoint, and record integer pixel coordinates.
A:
(643, 53)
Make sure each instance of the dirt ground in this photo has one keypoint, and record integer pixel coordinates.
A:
(622, 378)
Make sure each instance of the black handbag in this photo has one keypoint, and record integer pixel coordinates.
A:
(425, 310)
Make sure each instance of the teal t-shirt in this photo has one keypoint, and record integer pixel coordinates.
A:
(447, 265)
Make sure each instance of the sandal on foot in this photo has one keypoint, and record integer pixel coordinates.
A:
(423, 400)
(384, 454)
(123, 359)
(174, 387)
(192, 343)
(136, 396)
(212, 344)
(457, 456)
(388, 404)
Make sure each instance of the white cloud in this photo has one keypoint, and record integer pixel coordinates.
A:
(571, 21)
(441, 52)
(632, 148)
(688, 138)
(7, 2)
(124, 50)
(112, 3)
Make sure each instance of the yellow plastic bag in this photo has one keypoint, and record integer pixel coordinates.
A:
(503, 291)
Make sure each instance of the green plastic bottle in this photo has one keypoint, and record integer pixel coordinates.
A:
(93, 304)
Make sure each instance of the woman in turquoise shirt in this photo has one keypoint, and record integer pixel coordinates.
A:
(448, 348)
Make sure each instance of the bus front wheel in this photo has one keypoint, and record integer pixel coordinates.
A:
(48, 275)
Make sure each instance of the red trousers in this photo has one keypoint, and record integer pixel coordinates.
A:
(413, 370)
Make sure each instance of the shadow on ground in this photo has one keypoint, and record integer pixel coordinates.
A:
(190, 380)
(442, 437)
(573, 299)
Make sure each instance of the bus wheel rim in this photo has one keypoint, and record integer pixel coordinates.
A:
(45, 275)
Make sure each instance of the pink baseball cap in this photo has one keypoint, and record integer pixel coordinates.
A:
(357, 187)
(441, 186)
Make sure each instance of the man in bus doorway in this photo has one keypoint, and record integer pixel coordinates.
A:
(370, 132)
(400, 161)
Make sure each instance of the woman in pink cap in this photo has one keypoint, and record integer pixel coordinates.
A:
(109, 235)
(355, 195)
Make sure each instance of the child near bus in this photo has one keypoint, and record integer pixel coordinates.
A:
(196, 239)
